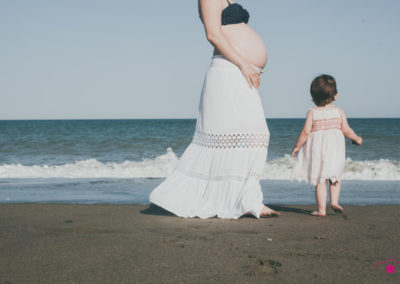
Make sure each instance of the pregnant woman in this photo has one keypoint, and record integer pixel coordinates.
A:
(218, 173)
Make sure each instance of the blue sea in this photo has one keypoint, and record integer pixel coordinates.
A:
(121, 161)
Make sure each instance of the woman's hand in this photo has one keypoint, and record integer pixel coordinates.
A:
(295, 150)
(251, 75)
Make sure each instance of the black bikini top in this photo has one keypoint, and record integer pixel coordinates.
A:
(234, 14)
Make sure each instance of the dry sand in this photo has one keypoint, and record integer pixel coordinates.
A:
(65, 243)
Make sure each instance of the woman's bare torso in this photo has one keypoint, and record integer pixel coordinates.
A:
(246, 42)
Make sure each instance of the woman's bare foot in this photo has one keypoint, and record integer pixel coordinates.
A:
(268, 212)
(317, 213)
(337, 208)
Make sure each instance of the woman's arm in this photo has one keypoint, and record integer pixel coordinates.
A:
(303, 134)
(210, 13)
(347, 130)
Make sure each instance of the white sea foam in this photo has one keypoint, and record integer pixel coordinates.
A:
(382, 169)
(162, 166)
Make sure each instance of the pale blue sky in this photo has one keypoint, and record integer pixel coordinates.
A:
(147, 59)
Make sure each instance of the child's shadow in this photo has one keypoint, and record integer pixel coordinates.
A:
(281, 209)
(302, 211)
(290, 209)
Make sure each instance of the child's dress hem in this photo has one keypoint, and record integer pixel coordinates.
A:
(333, 179)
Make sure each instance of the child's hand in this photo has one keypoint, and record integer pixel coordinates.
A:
(357, 141)
(295, 150)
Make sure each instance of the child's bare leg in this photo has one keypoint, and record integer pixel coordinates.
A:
(320, 196)
(334, 192)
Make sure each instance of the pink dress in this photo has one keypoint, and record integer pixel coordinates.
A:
(323, 154)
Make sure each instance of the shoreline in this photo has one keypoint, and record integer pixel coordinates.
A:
(125, 243)
(137, 191)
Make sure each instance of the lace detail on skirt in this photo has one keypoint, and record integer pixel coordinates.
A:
(231, 140)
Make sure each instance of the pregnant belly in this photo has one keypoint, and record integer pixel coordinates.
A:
(247, 43)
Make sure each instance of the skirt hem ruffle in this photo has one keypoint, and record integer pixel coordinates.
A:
(197, 196)
(255, 213)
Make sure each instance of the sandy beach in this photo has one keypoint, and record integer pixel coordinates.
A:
(65, 243)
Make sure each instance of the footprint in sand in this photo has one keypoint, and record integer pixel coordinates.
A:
(263, 266)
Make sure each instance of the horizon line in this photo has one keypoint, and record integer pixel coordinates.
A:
(168, 118)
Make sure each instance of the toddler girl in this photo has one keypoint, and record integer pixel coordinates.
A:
(321, 144)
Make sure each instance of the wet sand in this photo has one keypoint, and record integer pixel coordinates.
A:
(65, 243)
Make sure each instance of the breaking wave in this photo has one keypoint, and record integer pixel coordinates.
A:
(162, 166)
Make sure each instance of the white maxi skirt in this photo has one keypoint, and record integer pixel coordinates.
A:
(218, 174)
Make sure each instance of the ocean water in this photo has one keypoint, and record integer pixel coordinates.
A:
(121, 161)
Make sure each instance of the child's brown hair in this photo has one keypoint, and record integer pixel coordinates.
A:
(323, 90)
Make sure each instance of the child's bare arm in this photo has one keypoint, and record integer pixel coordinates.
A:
(348, 131)
(303, 134)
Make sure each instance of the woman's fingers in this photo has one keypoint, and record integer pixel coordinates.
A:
(256, 80)
(252, 76)
(250, 82)
(253, 83)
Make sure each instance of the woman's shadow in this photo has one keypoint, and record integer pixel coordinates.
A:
(159, 211)
(156, 210)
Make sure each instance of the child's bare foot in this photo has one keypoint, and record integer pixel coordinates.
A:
(317, 213)
(337, 208)
(267, 212)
